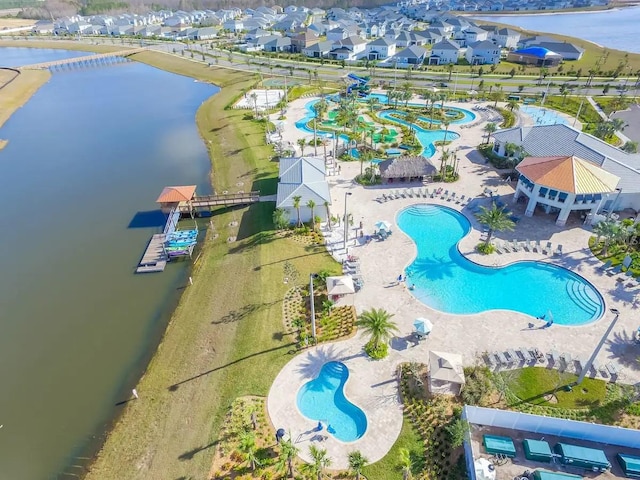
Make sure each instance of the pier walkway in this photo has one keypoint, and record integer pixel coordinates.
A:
(87, 60)
(201, 203)
(155, 257)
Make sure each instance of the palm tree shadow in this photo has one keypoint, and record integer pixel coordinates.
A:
(624, 349)
(188, 455)
(316, 358)
(431, 268)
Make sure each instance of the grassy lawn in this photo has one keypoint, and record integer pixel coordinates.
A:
(541, 386)
(384, 469)
(19, 91)
(616, 253)
(226, 338)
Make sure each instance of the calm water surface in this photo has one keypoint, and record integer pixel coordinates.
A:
(612, 28)
(87, 157)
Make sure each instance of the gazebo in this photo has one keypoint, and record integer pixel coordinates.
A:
(406, 167)
(171, 197)
(340, 286)
(563, 184)
(446, 375)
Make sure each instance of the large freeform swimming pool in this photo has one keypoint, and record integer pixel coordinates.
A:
(447, 281)
(322, 399)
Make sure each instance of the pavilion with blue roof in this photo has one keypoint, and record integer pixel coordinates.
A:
(535, 55)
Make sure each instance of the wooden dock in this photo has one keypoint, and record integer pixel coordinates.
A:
(155, 257)
(204, 202)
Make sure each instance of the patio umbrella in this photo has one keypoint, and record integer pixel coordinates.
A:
(433, 89)
(382, 225)
(484, 469)
(422, 325)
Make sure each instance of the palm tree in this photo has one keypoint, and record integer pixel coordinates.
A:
(372, 102)
(405, 463)
(450, 70)
(377, 323)
(411, 118)
(296, 205)
(490, 128)
(288, 452)
(249, 449)
(495, 219)
(610, 230)
(302, 143)
(311, 204)
(319, 462)
(446, 124)
(357, 462)
(326, 206)
(513, 105)
(406, 88)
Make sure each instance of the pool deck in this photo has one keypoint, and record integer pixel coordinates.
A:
(372, 385)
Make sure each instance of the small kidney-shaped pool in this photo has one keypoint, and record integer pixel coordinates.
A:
(446, 280)
(322, 399)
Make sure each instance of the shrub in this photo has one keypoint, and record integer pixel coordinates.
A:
(376, 353)
(485, 248)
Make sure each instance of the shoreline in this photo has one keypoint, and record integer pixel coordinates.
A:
(530, 13)
(15, 93)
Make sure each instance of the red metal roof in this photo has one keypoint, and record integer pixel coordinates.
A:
(177, 194)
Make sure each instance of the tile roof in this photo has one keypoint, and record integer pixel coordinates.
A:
(568, 174)
(563, 140)
(181, 193)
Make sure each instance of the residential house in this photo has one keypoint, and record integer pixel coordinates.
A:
(256, 33)
(348, 49)
(318, 50)
(278, 44)
(483, 53)
(444, 53)
(303, 40)
(407, 39)
(444, 26)
(413, 55)
(204, 33)
(340, 33)
(431, 37)
(303, 177)
(506, 38)
(234, 26)
(475, 34)
(380, 49)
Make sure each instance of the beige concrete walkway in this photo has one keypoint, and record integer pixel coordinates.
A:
(372, 385)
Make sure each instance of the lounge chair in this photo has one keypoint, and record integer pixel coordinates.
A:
(511, 353)
(595, 366)
(524, 353)
(409, 192)
(426, 193)
(538, 246)
(558, 251)
(452, 197)
(516, 245)
(503, 360)
(528, 245)
(537, 354)
(566, 358)
(498, 246)
(605, 265)
(462, 200)
(444, 194)
(611, 368)
(547, 249)
(615, 270)
(553, 357)
(490, 360)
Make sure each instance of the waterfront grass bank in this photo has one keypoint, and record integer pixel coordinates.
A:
(16, 90)
(226, 337)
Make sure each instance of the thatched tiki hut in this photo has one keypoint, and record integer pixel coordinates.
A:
(406, 168)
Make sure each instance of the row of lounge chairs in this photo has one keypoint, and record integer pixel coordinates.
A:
(528, 356)
(462, 200)
(516, 246)
(621, 272)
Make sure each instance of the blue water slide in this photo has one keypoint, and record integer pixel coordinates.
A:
(360, 80)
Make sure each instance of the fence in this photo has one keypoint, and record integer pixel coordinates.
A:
(593, 432)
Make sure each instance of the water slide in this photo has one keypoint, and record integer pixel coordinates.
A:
(360, 84)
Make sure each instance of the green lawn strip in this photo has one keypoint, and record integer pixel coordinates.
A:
(531, 385)
(387, 466)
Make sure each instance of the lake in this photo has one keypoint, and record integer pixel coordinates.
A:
(87, 157)
(611, 28)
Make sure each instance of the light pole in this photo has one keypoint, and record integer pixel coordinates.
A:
(346, 221)
(587, 366)
(313, 306)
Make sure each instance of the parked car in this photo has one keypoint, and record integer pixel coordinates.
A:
(443, 85)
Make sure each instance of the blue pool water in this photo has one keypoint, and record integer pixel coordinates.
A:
(425, 137)
(447, 281)
(322, 399)
(543, 116)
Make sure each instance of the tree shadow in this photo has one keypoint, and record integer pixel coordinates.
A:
(316, 358)
(188, 455)
(624, 349)
(175, 386)
(237, 315)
